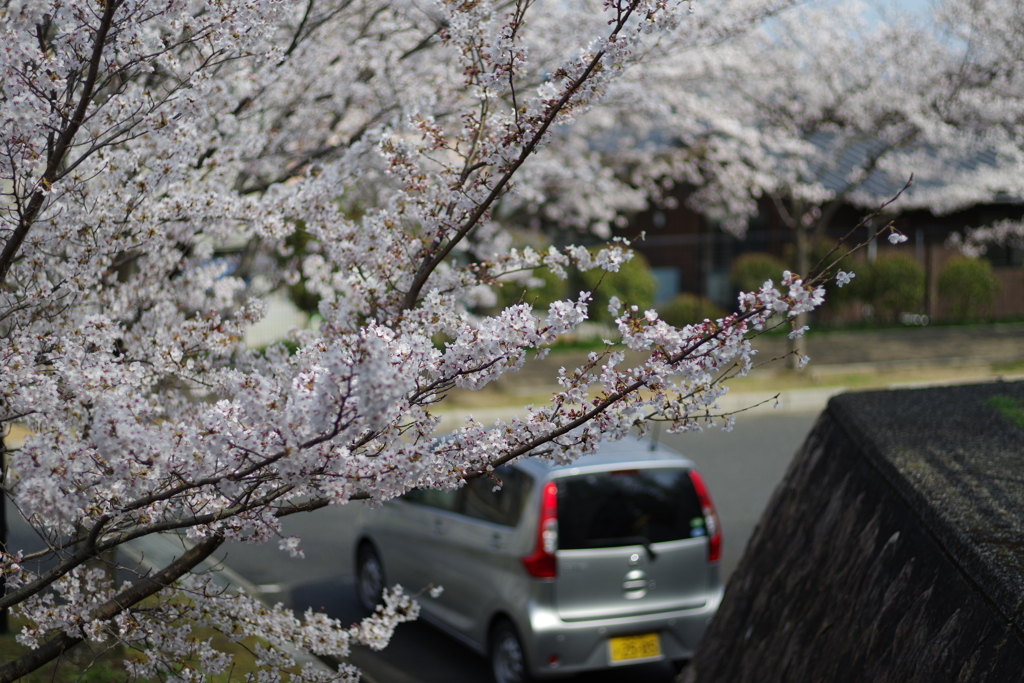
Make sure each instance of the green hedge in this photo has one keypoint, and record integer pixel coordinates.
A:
(893, 284)
(550, 289)
(687, 309)
(633, 284)
(968, 287)
(750, 271)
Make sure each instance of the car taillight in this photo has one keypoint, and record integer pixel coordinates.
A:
(710, 517)
(542, 564)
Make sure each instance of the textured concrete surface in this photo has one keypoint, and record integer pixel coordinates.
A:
(893, 550)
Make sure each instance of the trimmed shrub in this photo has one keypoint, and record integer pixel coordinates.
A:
(687, 309)
(968, 287)
(549, 289)
(633, 284)
(894, 284)
(750, 271)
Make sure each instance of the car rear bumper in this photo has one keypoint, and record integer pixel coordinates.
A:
(560, 647)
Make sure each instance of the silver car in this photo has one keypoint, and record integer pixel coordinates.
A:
(609, 561)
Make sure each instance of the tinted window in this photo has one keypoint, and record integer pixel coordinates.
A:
(477, 498)
(504, 506)
(444, 500)
(608, 509)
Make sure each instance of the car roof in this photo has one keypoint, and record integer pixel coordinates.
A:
(633, 451)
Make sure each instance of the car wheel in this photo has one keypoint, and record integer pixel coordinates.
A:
(508, 658)
(369, 577)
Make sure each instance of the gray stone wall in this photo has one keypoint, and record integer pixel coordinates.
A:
(893, 551)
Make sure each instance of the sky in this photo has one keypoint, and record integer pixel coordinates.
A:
(913, 5)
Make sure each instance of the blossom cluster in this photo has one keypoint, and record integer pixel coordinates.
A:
(976, 241)
(165, 636)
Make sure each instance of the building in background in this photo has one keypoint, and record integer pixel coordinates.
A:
(689, 253)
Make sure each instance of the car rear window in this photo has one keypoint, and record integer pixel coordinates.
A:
(627, 507)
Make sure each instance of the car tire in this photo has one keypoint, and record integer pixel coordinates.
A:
(369, 577)
(508, 657)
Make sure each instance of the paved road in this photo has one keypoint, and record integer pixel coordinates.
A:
(741, 468)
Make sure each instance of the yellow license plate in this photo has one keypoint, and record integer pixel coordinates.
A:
(628, 648)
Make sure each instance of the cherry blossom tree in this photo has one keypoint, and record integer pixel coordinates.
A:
(808, 109)
(988, 36)
(157, 160)
(829, 105)
(975, 241)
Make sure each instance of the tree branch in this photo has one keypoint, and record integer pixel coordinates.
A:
(124, 600)
(62, 145)
(430, 263)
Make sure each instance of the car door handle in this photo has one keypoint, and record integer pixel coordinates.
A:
(497, 542)
(438, 529)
